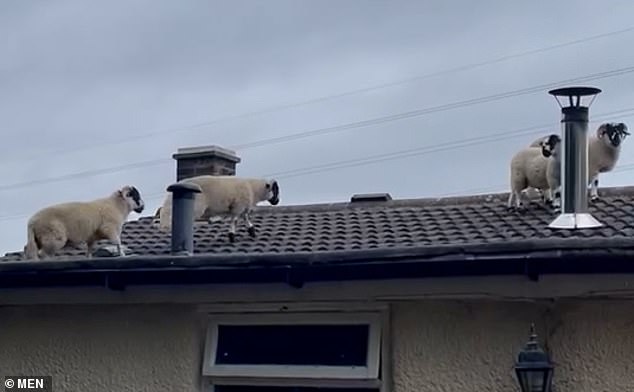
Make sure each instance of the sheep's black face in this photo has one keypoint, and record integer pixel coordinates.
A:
(616, 133)
(134, 199)
(274, 192)
(550, 144)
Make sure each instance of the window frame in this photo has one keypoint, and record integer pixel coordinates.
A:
(368, 374)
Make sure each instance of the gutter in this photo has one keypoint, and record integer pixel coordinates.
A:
(527, 258)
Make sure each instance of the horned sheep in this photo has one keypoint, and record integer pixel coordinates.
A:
(223, 196)
(604, 149)
(530, 169)
(73, 223)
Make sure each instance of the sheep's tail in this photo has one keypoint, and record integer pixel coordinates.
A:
(31, 249)
(165, 216)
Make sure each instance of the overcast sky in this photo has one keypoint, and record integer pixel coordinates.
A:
(91, 85)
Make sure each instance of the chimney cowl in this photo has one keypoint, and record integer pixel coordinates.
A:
(184, 188)
(574, 159)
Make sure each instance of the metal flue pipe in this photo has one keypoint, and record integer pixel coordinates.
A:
(574, 160)
(183, 195)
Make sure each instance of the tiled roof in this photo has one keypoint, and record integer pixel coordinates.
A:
(383, 225)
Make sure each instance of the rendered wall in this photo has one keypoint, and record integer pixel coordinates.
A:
(466, 347)
(438, 346)
(104, 347)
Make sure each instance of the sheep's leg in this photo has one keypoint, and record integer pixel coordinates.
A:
(50, 244)
(594, 191)
(515, 200)
(114, 235)
(48, 251)
(89, 247)
(541, 194)
(248, 223)
(232, 229)
(519, 204)
(509, 204)
(546, 197)
(557, 199)
(119, 247)
(518, 200)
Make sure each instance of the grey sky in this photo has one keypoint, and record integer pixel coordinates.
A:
(77, 74)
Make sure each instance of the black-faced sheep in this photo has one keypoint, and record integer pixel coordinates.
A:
(604, 150)
(71, 224)
(529, 168)
(225, 196)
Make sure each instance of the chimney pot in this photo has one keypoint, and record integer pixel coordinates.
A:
(183, 195)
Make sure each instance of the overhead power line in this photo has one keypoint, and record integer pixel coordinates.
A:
(434, 109)
(334, 129)
(479, 190)
(406, 154)
(534, 130)
(505, 187)
(271, 109)
(347, 163)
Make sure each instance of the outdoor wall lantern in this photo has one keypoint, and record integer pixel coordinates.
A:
(533, 367)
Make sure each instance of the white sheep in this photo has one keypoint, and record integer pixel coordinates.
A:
(225, 196)
(73, 223)
(552, 149)
(539, 143)
(604, 150)
(529, 168)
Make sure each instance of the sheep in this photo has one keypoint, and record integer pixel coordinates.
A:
(225, 196)
(538, 143)
(529, 170)
(604, 150)
(70, 224)
(552, 149)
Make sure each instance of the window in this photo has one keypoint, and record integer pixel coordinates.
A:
(294, 352)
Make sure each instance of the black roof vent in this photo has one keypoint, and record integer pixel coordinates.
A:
(370, 197)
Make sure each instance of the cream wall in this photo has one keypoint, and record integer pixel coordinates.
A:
(437, 345)
(104, 347)
(464, 347)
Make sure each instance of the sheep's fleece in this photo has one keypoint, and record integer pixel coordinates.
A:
(71, 224)
(529, 170)
(225, 196)
(604, 150)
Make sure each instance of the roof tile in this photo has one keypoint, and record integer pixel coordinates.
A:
(382, 224)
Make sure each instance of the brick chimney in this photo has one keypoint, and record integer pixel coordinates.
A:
(205, 160)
